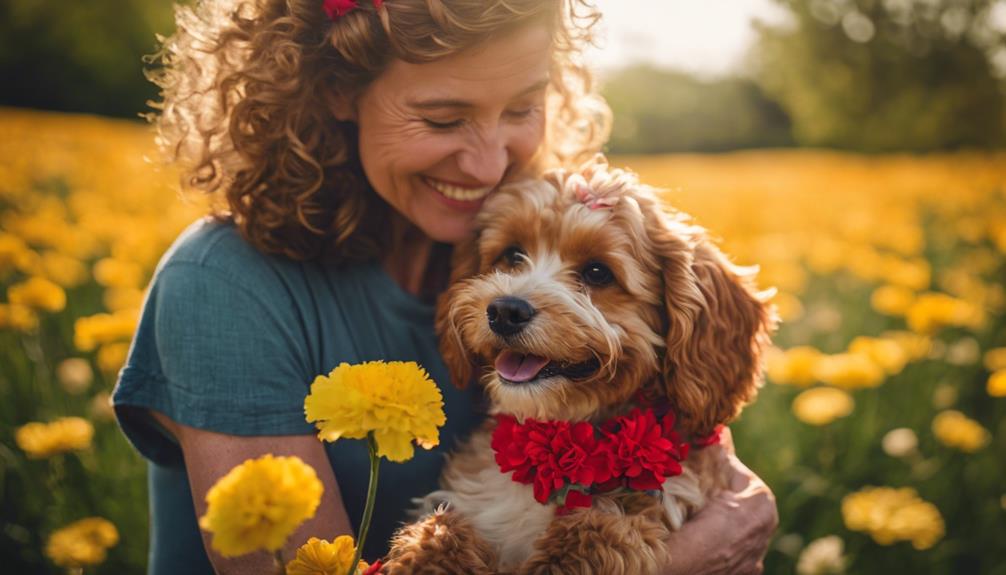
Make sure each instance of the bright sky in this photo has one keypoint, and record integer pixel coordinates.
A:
(707, 37)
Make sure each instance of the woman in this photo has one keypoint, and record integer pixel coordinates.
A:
(350, 144)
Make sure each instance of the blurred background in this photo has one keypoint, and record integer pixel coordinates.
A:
(851, 148)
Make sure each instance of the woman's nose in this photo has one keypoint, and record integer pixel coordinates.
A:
(486, 160)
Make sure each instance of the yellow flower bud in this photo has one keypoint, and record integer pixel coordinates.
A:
(822, 405)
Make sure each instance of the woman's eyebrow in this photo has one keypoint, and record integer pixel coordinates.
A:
(436, 103)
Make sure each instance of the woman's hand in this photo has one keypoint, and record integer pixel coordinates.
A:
(731, 534)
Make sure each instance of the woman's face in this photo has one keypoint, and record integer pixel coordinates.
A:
(437, 138)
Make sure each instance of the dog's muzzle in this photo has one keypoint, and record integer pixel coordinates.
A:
(509, 315)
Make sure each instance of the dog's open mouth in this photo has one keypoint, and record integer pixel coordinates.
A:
(515, 367)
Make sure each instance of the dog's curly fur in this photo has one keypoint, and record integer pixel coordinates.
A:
(678, 320)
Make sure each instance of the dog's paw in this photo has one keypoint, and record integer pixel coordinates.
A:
(443, 543)
(592, 541)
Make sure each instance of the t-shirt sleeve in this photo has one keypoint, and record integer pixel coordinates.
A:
(213, 352)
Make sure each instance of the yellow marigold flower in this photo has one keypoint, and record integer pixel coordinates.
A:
(18, 318)
(116, 299)
(82, 543)
(74, 375)
(794, 366)
(92, 331)
(906, 239)
(788, 306)
(99, 530)
(997, 384)
(892, 300)
(826, 256)
(40, 440)
(995, 359)
(319, 557)
(849, 371)
(396, 401)
(112, 272)
(954, 429)
(886, 353)
(999, 237)
(64, 270)
(865, 263)
(260, 503)
(37, 293)
(16, 255)
(911, 274)
(784, 276)
(112, 356)
(931, 311)
(822, 405)
(916, 346)
(890, 515)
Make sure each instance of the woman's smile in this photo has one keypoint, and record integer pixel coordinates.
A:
(459, 197)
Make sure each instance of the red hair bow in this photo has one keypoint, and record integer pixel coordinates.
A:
(337, 8)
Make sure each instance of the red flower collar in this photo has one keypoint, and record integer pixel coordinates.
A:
(568, 462)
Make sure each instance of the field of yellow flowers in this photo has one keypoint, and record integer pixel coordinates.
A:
(882, 429)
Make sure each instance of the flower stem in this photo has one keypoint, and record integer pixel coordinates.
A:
(368, 510)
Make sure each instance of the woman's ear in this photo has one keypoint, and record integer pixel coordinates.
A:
(460, 364)
(717, 326)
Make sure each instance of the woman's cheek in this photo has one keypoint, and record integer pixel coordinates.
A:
(531, 137)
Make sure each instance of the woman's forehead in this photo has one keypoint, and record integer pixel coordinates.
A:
(508, 67)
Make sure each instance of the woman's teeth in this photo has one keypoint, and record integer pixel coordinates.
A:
(461, 194)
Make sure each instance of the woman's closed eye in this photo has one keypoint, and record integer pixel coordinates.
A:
(516, 114)
(444, 125)
(522, 113)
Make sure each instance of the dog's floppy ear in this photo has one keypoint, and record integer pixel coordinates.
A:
(460, 365)
(717, 326)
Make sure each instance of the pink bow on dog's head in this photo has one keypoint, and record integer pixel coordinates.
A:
(594, 184)
(586, 195)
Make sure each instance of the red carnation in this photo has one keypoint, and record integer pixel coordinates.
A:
(582, 458)
(645, 451)
(526, 450)
(509, 441)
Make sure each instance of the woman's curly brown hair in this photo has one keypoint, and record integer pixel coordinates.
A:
(247, 94)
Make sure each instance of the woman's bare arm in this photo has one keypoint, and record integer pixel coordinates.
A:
(731, 534)
(209, 456)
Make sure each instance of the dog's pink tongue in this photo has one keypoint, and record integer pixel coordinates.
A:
(519, 367)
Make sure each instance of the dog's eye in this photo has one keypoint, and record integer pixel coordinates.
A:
(597, 274)
(512, 256)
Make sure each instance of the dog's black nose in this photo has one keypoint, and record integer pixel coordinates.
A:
(509, 315)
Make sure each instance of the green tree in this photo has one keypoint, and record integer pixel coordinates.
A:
(880, 75)
(658, 111)
(80, 56)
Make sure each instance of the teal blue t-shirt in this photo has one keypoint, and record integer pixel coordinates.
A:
(229, 340)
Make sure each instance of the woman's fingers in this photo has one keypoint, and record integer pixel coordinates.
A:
(752, 506)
